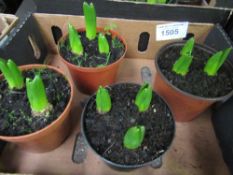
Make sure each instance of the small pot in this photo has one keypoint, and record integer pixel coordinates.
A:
(156, 163)
(53, 134)
(88, 79)
(185, 106)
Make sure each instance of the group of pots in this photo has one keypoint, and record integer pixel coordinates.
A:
(104, 132)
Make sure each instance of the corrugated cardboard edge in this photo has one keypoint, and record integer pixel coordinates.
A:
(9, 21)
(128, 28)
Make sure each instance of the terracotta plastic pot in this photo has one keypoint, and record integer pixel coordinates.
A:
(88, 79)
(185, 106)
(52, 135)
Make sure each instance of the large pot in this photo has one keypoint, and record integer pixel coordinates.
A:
(185, 106)
(53, 134)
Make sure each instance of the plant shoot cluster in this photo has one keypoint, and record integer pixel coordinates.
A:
(134, 136)
(214, 63)
(90, 23)
(35, 88)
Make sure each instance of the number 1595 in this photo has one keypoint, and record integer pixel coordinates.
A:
(169, 32)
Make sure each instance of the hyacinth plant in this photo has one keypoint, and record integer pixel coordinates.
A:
(35, 88)
(144, 97)
(75, 41)
(37, 96)
(183, 63)
(103, 100)
(12, 74)
(90, 20)
(216, 61)
(134, 137)
(103, 45)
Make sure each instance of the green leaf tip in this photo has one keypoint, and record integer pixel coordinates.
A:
(216, 61)
(187, 49)
(103, 100)
(134, 137)
(12, 74)
(75, 41)
(90, 20)
(181, 66)
(36, 95)
(103, 45)
(144, 97)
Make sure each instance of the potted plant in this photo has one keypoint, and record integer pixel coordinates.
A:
(35, 101)
(92, 54)
(128, 126)
(191, 77)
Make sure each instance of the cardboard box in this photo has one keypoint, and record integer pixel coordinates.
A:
(7, 22)
(23, 53)
(195, 148)
(205, 3)
(129, 10)
(18, 44)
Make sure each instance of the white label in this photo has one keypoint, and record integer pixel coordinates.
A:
(171, 31)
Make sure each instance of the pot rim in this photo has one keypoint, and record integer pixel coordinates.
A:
(59, 118)
(203, 47)
(123, 166)
(93, 69)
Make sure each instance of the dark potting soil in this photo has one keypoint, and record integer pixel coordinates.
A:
(91, 56)
(196, 82)
(15, 112)
(105, 132)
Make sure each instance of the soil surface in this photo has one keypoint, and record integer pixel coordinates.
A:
(105, 132)
(15, 112)
(91, 56)
(196, 82)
